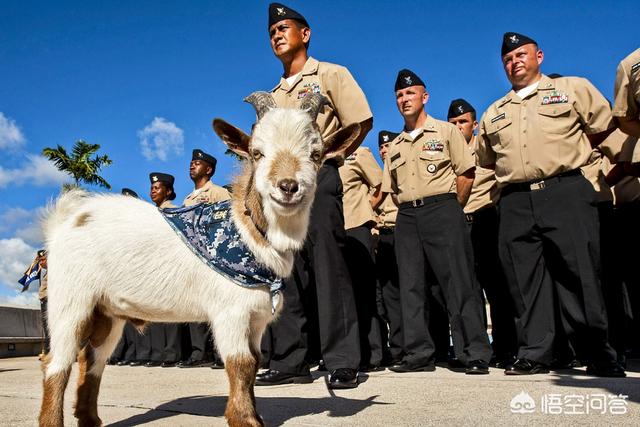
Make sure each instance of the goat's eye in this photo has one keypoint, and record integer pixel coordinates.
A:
(256, 154)
(316, 156)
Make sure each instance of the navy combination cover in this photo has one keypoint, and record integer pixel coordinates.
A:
(210, 233)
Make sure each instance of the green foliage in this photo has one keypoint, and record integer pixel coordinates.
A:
(79, 164)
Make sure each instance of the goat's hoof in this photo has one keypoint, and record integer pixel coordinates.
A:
(245, 421)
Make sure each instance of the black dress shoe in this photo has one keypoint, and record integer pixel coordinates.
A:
(501, 362)
(122, 362)
(168, 364)
(526, 367)
(343, 378)
(404, 366)
(321, 366)
(275, 377)
(217, 365)
(477, 367)
(152, 363)
(137, 362)
(191, 363)
(606, 369)
(371, 368)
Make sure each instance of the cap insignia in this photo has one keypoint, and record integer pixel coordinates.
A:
(407, 79)
(154, 178)
(514, 39)
(281, 11)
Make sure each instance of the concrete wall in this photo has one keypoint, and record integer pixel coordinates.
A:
(20, 331)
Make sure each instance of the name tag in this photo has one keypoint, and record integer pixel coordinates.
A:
(498, 117)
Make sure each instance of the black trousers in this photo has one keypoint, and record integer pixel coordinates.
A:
(387, 272)
(626, 220)
(130, 342)
(483, 229)
(165, 342)
(45, 325)
(144, 349)
(550, 252)
(434, 236)
(320, 287)
(199, 333)
(360, 258)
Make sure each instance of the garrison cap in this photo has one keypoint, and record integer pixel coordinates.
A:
(166, 178)
(198, 154)
(554, 75)
(407, 78)
(279, 12)
(458, 107)
(385, 137)
(42, 253)
(129, 192)
(511, 41)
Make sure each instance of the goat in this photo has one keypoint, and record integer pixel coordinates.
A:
(114, 258)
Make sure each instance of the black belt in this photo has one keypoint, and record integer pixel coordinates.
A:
(427, 200)
(541, 183)
(478, 213)
(386, 230)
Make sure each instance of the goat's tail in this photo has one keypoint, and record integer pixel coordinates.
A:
(57, 212)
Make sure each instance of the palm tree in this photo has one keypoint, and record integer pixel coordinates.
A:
(79, 164)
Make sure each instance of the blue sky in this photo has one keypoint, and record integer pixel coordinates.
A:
(144, 78)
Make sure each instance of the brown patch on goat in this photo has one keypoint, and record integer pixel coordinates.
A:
(285, 165)
(241, 407)
(82, 219)
(247, 206)
(51, 411)
(86, 406)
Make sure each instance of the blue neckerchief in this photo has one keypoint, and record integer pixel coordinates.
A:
(210, 233)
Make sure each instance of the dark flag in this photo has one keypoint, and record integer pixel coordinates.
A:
(32, 273)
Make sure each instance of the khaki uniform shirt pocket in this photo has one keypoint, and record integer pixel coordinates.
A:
(556, 119)
(500, 133)
(398, 170)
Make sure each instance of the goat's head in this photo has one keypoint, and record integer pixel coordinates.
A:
(285, 150)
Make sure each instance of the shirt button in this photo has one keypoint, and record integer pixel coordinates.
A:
(524, 131)
(524, 145)
(524, 118)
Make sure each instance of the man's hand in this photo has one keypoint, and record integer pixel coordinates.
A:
(464, 183)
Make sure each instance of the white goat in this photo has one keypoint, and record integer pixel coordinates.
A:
(114, 258)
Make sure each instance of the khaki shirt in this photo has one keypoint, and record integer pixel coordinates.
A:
(627, 87)
(167, 204)
(42, 292)
(544, 134)
(347, 103)
(610, 151)
(209, 193)
(485, 191)
(359, 174)
(427, 165)
(387, 212)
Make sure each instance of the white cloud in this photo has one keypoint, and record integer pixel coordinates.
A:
(10, 134)
(15, 256)
(37, 170)
(161, 138)
(28, 299)
(24, 223)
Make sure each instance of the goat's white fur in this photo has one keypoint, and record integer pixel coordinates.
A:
(119, 255)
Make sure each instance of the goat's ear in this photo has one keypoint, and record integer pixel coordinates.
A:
(336, 143)
(236, 140)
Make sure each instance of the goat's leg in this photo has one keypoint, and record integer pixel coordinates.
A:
(66, 334)
(232, 335)
(103, 338)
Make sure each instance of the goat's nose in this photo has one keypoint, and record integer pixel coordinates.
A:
(288, 186)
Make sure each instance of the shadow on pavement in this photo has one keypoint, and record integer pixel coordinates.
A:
(274, 410)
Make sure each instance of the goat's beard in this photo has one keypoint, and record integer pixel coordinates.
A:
(288, 225)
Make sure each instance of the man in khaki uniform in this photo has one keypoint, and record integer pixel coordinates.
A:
(482, 220)
(430, 172)
(320, 269)
(42, 296)
(201, 170)
(626, 107)
(537, 137)
(361, 177)
(386, 266)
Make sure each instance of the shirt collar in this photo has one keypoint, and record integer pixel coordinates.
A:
(310, 67)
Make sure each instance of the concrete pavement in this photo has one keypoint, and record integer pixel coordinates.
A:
(197, 397)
